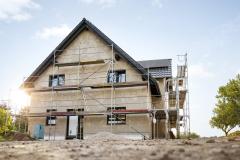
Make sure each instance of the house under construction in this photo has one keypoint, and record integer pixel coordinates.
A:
(88, 84)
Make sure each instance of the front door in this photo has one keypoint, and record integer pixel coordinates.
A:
(74, 126)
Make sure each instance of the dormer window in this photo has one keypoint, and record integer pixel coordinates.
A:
(56, 80)
(116, 76)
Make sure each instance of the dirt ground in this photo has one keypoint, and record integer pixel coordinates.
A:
(116, 149)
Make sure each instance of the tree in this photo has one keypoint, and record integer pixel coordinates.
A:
(6, 123)
(227, 110)
(21, 121)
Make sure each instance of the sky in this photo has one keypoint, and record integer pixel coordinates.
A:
(209, 31)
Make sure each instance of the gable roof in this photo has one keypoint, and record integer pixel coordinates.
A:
(73, 34)
(159, 68)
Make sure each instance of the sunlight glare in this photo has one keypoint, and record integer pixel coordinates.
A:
(19, 98)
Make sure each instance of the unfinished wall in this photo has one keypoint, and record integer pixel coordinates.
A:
(56, 132)
(93, 48)
(158, 102)
(141, 123)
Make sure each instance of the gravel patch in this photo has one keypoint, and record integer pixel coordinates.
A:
(117, 148)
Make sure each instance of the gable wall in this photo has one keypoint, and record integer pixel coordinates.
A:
(85, 41)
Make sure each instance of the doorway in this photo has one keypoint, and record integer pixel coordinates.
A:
(74, 126)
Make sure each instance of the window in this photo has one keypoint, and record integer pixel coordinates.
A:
(116, 76)
(116, 118)
(51, 120)
(56, 80)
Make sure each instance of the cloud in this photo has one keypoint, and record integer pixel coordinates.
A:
(16, 10)
(102, 3)
(157, 3)
(56, 31)
(199, 71)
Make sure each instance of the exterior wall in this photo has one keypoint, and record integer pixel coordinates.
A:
(129, 97)
(158, 102)
(57, 132)
(141, 123)
(94, 124)
(100, 51)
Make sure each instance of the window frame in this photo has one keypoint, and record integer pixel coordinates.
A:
(123, 118)
(116, 76)
(50, 118)
(57, 77)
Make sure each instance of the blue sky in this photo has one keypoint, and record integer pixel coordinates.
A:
(147, 29)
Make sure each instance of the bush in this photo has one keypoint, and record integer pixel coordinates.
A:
(191, 135)
(6, 123)
(234, 134)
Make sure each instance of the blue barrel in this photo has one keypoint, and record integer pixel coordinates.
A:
(38, 131)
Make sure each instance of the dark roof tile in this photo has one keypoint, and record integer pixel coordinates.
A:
(160, 68)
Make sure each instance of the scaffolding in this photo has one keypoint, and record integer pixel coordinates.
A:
(174, 97)
(177, 96)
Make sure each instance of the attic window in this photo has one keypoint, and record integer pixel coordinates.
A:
(56, 80)
(116, 76)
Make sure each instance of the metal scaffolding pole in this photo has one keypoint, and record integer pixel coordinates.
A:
(177, 107)
(187, 98)
(165, 100)
(50, 118)
(112, 85)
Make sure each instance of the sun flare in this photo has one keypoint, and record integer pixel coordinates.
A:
(19, 98)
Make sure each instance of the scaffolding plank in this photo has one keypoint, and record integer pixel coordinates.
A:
(84, 113)
(77, 87)
(45, 114)
(119, 85)
(79, 63)
(57, 88)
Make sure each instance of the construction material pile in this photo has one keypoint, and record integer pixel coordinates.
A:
(17, 136)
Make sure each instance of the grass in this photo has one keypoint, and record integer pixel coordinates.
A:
(2, 138)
